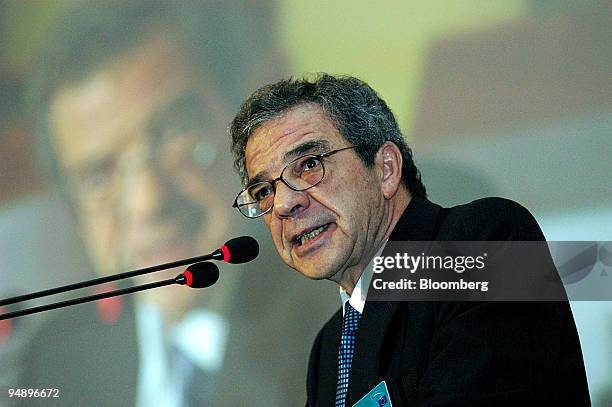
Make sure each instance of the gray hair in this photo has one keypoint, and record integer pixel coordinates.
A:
(359, 114)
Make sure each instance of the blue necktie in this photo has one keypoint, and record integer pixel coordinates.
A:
(350, 324)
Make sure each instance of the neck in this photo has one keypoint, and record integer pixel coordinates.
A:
(394, 208)
(397, 208)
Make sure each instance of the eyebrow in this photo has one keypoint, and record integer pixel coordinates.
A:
(260, 177)
(306, 147)
(310, 146)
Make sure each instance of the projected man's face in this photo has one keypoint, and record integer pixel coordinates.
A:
(137, 141)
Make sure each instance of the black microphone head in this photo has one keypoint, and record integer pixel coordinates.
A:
(240, 250)
(201, 275)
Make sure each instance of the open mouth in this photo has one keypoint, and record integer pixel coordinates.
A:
(309, 235)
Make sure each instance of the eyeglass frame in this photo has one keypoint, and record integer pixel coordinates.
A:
(280, 178)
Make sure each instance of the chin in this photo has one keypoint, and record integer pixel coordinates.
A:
(314, 271)
(319, 266)
(313, 275)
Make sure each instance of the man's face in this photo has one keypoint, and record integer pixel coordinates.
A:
(136, 141)
(347, 203)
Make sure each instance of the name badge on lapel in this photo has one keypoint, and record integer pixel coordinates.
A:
(377, 397)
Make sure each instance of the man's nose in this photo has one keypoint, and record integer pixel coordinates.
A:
(287, 202)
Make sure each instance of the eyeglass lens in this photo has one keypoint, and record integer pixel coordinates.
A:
(299, 175)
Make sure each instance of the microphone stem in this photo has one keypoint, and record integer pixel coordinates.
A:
(90, 298)
(216, 255)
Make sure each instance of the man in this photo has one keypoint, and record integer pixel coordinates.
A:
(326, 167)
(132, 98)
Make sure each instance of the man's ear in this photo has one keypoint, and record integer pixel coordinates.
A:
(389, 161)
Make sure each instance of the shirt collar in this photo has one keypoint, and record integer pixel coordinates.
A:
(358, 298)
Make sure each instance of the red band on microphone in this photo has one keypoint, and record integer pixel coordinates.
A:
(226, 253)
(188, 278)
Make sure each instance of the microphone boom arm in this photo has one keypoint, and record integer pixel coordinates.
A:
(216, 255)
(90, 298)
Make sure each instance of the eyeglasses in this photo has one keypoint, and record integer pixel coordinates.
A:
(300, 174)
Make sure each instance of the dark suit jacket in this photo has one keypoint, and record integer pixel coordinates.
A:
(458, 353)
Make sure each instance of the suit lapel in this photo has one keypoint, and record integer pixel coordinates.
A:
(417, 224)
(328, 368)
(369, 352)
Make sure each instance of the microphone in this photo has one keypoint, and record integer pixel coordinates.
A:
(239, 250)
(199, 275)
(235, 251)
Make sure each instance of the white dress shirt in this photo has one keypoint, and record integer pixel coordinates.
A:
(358, 298)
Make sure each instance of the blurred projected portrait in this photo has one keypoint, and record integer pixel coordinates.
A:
(137, 142)
(132, 101)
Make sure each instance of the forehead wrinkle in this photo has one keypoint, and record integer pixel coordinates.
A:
(297, 151)
(289, 131)
(262, 175)
(279, 128)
